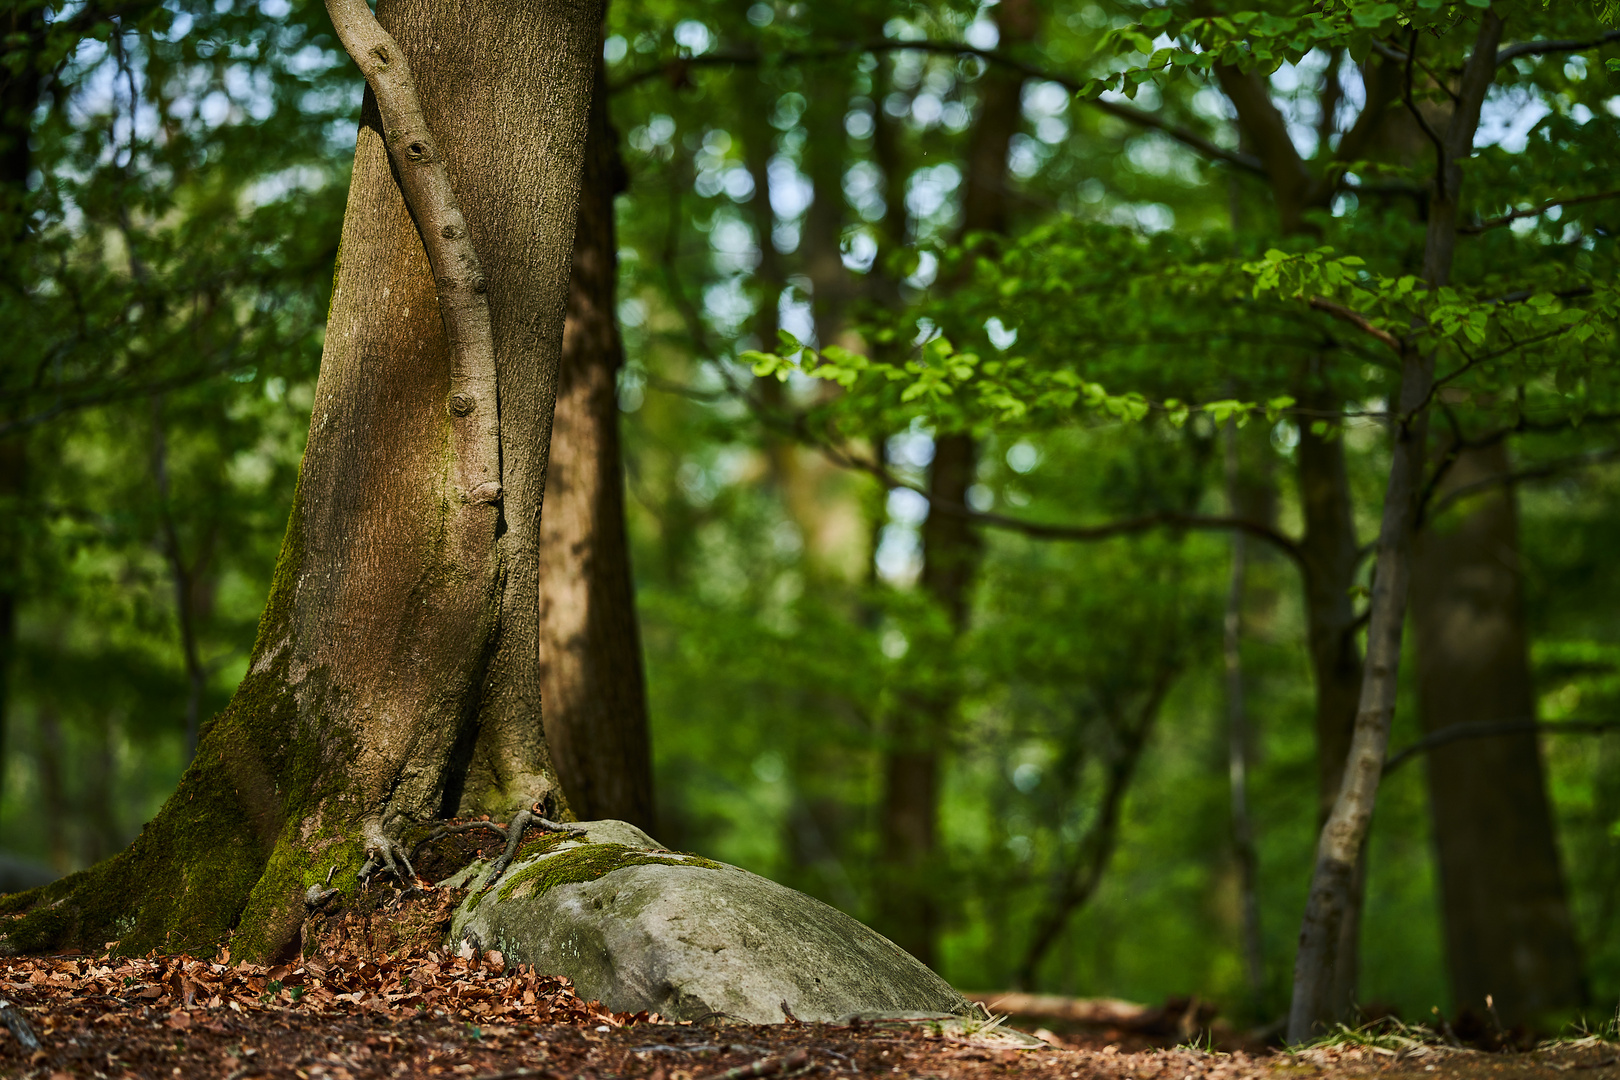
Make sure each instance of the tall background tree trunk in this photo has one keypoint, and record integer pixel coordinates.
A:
(20, 78)
(1238, 737)
(908, 909)
(591, 680)
(395, 675)
(1508, 931)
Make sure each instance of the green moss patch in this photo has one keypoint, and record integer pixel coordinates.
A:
(589, 862)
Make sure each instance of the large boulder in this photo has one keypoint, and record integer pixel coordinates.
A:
(639, 927)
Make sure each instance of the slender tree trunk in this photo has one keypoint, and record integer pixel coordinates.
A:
(183, 576)
(1329, 556)
(1081, 871)
(395, 676)
(99, 771)
(591, 680)
(1507, 921)
(1237, 732)
(1345, 833)
(53, 800)
(13, 476)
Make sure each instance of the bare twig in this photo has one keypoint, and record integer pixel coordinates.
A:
(1536, 211)
(1457, 732)
(1402, 56)
(1423, 121)
(1541, 48)
(1536, 472)
(463, 290)
(1356, 319)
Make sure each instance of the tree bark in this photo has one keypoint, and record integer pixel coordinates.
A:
(1329, 557)
(1345, 833)
(908, 909)
(1508, 930)
(395, 676)
(591, 679)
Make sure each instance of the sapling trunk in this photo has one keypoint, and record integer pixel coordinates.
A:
(1313, 1006)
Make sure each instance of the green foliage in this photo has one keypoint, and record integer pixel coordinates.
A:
(165, 306)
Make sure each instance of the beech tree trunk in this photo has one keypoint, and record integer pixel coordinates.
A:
(1508, 930)
(591, 680)
(395, 676)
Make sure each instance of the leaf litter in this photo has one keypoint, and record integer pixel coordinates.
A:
(375, 994)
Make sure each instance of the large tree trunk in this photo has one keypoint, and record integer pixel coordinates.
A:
(395, 676)
(591, 680)
(1507, 923)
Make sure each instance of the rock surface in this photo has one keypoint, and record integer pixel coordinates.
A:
(638, 927)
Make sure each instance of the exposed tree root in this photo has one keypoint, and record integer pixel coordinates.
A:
(386, 853)
(513, 832)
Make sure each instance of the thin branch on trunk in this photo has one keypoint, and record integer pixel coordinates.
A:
(1537, 211)
(1542, 48)
(462, 288)
(1536, 472)
(1172, 519)
(1505, 727)
(1355, 319)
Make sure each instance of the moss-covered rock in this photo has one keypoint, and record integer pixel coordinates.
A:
(639, 927)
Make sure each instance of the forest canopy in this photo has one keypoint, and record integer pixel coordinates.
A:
(1013, 402)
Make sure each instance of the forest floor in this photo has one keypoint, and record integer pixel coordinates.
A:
(372, 993)
(421, 1015)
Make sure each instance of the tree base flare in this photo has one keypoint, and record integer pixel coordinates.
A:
(642, 928)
